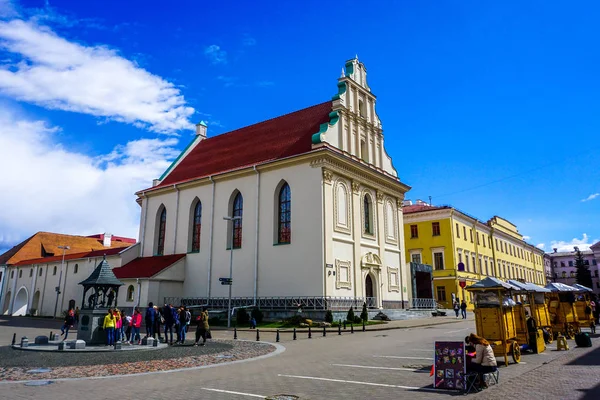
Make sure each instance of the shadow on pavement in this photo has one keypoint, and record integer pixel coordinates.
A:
(591, 394)
(591, 358)
(28, 322)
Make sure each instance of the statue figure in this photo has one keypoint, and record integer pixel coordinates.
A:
(111, 296)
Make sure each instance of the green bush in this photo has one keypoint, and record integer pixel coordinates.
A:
(357, 320)
(257, 315)
(295, 320)
(350, 316)
(364, 315)
(242, 316)
(329, 316)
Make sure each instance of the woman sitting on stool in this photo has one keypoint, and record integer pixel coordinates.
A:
(484, 361)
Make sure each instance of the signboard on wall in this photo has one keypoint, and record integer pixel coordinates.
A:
(449, 365)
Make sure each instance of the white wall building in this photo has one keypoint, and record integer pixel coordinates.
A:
(319, 199)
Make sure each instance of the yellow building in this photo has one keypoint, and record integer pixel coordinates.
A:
(460, 248)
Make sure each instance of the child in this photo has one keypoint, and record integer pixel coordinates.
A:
(68, 324)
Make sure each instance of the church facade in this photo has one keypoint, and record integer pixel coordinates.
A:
(317, 206)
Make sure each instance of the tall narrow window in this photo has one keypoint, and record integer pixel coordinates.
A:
(364, 151)
(238, 210)
(196, 227)
(464, 233)
(130, 292)
(471, 233)
(162, 224)
(438, 261)
(285, 215)
(435, 228)
(457, 231)
(414, 231)
(368, 214)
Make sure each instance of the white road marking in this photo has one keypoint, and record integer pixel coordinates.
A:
(407, 358)
(370, 367)
(459, 330)
(238, 393)
(359, 382)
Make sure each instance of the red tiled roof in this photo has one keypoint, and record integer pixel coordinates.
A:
(146, 267)
(277, 138)
(420, 207)
(76, 256)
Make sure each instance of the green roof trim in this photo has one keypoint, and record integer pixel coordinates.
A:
(333, 119)
(164, 175)
(341, 90)
(349, 67)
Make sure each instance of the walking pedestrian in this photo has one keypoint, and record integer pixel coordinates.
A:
(118, 325)
(77, 316)
(67, 324)
(136, 323)
(127, 324)
(109, 327)
(202, 328)
(463, 309)
(456, 307)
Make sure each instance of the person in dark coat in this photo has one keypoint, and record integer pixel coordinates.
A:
(463, 309)
(167, 313)
(149, 320)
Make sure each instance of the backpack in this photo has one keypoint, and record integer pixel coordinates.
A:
(583, 340)
(188, 317)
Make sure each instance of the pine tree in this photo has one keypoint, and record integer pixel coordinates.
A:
(583, 273)
(364, 315)
(350, 316)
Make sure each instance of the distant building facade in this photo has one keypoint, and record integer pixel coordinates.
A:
(565, 271)
(34, 271)
(461, 248)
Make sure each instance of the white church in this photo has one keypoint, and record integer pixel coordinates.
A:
(317, 208)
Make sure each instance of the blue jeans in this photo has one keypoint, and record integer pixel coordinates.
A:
(463, 313)
(150, 327)
(64, 330)
(135, 334)
(182, 332)
(168, 328)
(110, 336)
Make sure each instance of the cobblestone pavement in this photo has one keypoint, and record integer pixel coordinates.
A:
(365, 365)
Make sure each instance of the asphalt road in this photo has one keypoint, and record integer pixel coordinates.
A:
(365, 365)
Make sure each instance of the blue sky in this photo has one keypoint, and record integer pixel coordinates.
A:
(490, 107)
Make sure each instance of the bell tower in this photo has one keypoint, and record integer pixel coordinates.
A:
(354, 125)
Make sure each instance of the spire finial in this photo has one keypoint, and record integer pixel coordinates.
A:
(356, 58)
(343, 74)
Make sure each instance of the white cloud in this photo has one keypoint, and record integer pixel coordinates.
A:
(526, 237)
(58, 74)
(541, 246)
(7, 9)
(215, 54)
(591, 197)
(48, 187)
(584, 243)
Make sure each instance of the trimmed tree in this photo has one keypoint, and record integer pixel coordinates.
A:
(328, 316)
(350, 316)
(364, 315)
(583, 273)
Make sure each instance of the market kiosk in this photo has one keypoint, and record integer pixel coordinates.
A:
(495, 317)
(561, 305)
(531, 303)
(583, 307)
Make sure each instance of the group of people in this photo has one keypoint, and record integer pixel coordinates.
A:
(176, 319)
(122, 327)
(460, 306)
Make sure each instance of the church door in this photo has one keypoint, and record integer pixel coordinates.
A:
(369, 287)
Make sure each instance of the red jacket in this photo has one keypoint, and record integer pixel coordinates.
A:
(136, 320)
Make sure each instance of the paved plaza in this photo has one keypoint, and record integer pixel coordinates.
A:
(382, 364)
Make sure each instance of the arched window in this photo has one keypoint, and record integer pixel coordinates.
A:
(31, 272)
(564, 274)
(285, 215)
(76, 268)
(130, 291)
(20, 273)
(196, 227)
(572, 274)
(41, 271)
(54, 270)
(162, 224)
(238, 210)
(368, 214)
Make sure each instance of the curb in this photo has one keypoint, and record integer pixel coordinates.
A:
(357, 328)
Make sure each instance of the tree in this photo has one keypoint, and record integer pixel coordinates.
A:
(350, 316)
(583, 273)
(364, 315)
(329, 316)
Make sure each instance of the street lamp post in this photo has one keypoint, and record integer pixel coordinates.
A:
(232, 219)
(62, 265)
